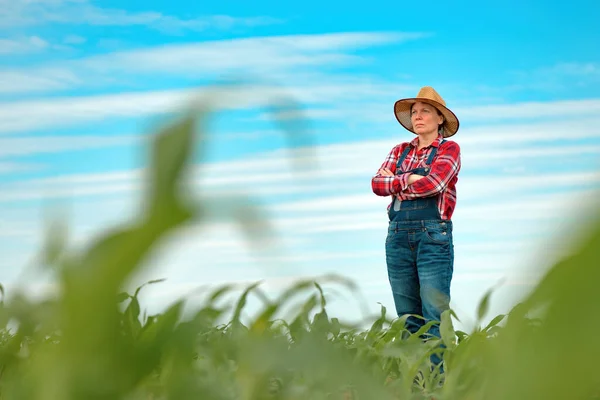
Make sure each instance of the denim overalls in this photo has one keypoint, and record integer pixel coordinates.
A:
(423, 208)
(419, 254)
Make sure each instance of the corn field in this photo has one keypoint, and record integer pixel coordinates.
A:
(93, 341)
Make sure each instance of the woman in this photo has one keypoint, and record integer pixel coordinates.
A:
(421, 177)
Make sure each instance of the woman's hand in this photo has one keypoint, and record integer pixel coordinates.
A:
(385, 172)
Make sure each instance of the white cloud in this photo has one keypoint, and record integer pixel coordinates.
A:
(65, 111)
(65, 192)
(90, 179)
(22, 45)
(12, 167)
(19, 146)
(308, 89)
(19, 13)
(248, 55)
(290, 59)
(46, 79)
(27, 115)
(565, 129)
(575, 69)
(165, 23)
(534, 109)
(562, 76)
(60, 112)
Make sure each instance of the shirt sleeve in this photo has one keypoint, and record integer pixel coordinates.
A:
(444, 168)
(390, 185)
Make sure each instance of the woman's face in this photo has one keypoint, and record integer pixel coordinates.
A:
(425, 118)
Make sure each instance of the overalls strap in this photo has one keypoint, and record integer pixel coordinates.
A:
(402, 157)
(433, 153)
(407, 150)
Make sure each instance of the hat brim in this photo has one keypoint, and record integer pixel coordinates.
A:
(402, 113)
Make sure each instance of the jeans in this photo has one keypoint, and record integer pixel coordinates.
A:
(420, 263)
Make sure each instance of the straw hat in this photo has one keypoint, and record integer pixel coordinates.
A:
(428, 95)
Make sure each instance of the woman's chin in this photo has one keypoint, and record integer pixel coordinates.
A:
(422, 131)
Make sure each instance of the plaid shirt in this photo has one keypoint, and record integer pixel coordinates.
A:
(442, 177)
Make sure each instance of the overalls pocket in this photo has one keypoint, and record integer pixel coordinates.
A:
(438, 232)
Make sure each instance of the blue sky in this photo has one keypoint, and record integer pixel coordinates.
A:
(83, 83)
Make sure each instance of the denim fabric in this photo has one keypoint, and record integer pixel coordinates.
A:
(420, 263)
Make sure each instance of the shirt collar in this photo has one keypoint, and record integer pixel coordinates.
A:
(435, 143)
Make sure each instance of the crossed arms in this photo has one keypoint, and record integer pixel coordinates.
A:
(407, 186)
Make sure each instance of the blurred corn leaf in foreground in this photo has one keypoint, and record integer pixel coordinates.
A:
(93, 341)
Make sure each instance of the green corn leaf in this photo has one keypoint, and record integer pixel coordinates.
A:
(483, 306)
(121, 297)
(495, 321)
(447, 330)
(242, 303)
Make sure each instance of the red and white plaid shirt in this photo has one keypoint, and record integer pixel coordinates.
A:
(442, 177)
